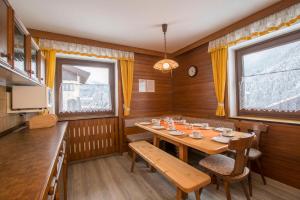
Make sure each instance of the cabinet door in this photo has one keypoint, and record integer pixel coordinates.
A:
(34, 66)
(19, 61)
(42, 67)
(3, 30)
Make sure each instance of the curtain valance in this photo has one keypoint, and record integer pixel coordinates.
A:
(84, 50)
(284, 18)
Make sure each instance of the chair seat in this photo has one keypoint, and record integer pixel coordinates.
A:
(140, 137)
(218, 163)
(222, 165)
(254, 154)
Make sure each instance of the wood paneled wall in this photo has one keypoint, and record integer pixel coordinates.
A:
(92, 137)
(150, 104)
(196, 97)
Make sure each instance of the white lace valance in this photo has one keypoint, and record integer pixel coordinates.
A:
(72, 48)
(284, 18)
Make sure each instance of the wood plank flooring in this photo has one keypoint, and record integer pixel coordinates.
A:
(110, 179)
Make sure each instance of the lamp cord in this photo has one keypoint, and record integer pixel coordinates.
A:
(165, 40)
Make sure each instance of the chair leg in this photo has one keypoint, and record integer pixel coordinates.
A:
(250, 179)
(198, 194)
(179, 194)
(133, 161)
(217, 182)
(245, 190)
(258, 163)
(227, 189)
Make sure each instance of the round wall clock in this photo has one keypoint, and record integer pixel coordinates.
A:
(192, 71)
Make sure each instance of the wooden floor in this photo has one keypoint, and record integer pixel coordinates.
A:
(109, 179)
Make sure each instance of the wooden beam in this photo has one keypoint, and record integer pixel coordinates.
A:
(84, 41)
(239, 24)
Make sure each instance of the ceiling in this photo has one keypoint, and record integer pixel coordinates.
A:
(136, 23)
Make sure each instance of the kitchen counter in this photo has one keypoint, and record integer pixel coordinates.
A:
(27, 159)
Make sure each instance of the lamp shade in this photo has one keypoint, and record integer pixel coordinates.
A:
(165, 65)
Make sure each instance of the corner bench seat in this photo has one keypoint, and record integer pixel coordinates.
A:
(147, 136)
(185, 177)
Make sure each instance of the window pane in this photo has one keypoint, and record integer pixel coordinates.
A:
(85, 89)
(271, 79)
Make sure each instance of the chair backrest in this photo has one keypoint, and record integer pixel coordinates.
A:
(252, 127)
(241, 146)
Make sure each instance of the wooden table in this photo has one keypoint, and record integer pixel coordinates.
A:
(205, 144)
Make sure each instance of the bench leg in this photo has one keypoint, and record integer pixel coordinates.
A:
(133, 161)
(198, 194)
(179, 194)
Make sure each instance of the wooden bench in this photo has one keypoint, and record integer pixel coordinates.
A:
(185, 177)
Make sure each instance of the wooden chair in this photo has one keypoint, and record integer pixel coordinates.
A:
(254, 153)
(228, 169)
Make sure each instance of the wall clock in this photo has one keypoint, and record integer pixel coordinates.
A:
(192, 71)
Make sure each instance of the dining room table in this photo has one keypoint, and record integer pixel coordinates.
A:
(204, 144)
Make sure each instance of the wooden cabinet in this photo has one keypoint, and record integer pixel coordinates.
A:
(20, 63)
(3, 30)
(34, 59)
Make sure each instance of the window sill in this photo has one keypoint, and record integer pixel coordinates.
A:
(284, 121)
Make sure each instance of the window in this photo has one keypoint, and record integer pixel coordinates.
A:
(268, 78)
(85, 87)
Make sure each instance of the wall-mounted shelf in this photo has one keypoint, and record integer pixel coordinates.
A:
(9, 77)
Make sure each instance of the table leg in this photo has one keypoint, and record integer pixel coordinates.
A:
(183, 153)
(156, 141)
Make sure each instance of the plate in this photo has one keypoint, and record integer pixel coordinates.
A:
(171, 129)
(221, 139)
(158, 127)
(176, 133)
(145, 123)
(231, 134)
(192, 136)
(198, 125)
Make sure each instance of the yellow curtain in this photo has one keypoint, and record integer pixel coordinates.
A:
(219, 64)
(127, 82)
(50, 67)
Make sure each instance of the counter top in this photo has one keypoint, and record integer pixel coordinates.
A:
(27, 158)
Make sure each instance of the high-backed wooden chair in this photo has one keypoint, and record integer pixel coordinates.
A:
(254, 153)
(228, 169)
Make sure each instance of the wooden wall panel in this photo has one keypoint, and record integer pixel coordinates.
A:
(90, 138)
(196, 97)
(150, 104)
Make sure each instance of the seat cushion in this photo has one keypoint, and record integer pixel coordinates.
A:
(254, 154)
(140, 136)
(218, 164)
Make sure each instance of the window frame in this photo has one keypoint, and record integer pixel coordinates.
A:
(81, 115)
(267, 44)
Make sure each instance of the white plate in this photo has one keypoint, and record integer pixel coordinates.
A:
(158, 127)
(192, 136)
(145, 123)
(231, 134)
(176, 133)
(220, 129)
(169, 129)
(198, 124)
(221, 139)
(208, 128)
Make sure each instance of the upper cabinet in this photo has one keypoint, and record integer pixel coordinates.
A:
(34, 66)
(19, 56)
(42, 67)
(3, 30)
(21, 61)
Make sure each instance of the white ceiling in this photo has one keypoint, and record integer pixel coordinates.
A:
(136, 23)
